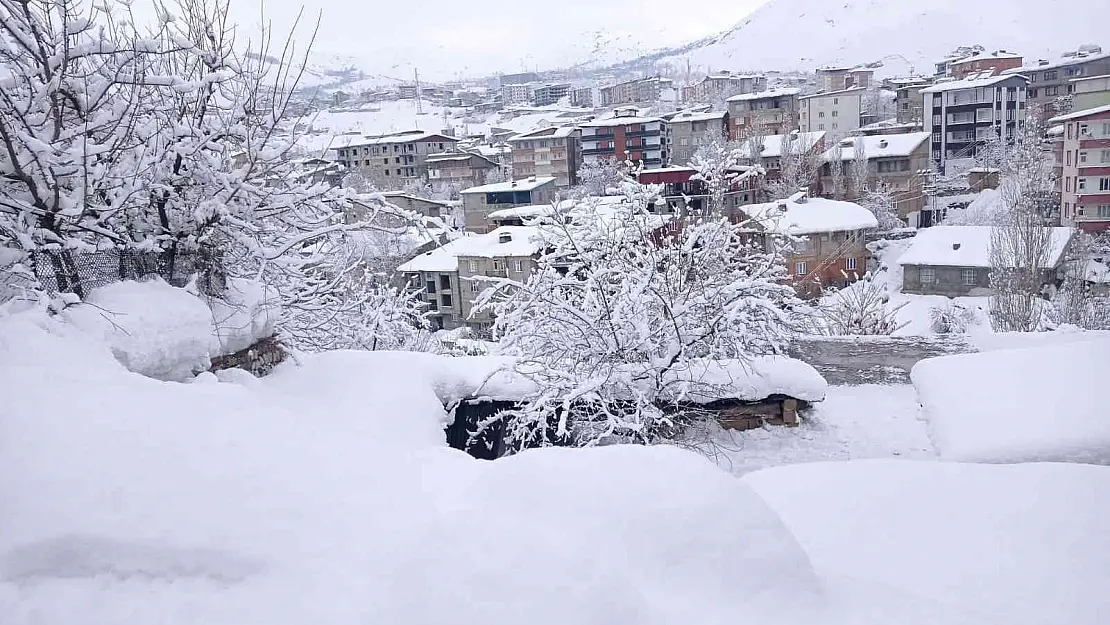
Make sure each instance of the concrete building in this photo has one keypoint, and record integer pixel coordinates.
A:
(774, 112)
(907, 100)
(834, 111)
(518, 79)
(642, 90)
(841, 78)
(517, 93)
(772, 147)
(1090, 92)
(895, 160)
(545, 95)
(965, 114)
(460, 169)
(549, 152)
(393, 160)
(1085, 176)
(626, 136)
(419, 205)
(584, 97)
(688, 128)
(480, 201)
(723, 85)
(1051, 81)
(979, 62)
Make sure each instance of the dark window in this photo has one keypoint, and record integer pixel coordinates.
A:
(430, 286)
(445, 282)
(445, 299)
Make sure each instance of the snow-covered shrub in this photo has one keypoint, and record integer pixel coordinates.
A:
(860, 309)
(951, 318)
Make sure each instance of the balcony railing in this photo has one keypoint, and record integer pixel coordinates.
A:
(590, 151)
(598, 136)
(642, 133)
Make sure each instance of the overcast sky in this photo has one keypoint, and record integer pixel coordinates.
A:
(450, 37)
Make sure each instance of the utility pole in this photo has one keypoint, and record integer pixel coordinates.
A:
(419, 99)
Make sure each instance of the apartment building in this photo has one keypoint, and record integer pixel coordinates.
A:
(515, 94)
(685, 193)
(642, 90)
(1051, 81)
(460, 169)
(772, 147)
(688, 128)
(395, 159)
(966, 114)
(774, 112)
(545, 95)
(549, 152)
(480, 201)
(907, 100)
(895, 160)
(841, 78)
(980, 61)
(723, 85)
(1090, 92)
(1085, 177)
(518, 79)
(584, 97)
(834, 111)
(452, 277)
(626, 136)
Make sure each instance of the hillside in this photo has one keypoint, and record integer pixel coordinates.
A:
(805, 34)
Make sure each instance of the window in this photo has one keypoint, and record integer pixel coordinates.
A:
(1102, 211)
(834, 126)
(799, 269)
(498, 264)
(835, 114)
(1104, 184)
(820, 126)
(1067, 185)
(472, 266)
(1081, 158)
(385, 161)
(1084, 130)
(445, 299)
(970, 276)
(836, 100)
(1050, 75)
(1080, 184)
(1033, 93)
(821, 114)
(1106, 130)
(1104, 156)
(518, 266)
(445, 282)
(928, 275)
(430, 286)
(1050, 91)
(850, 264)
(475, 286)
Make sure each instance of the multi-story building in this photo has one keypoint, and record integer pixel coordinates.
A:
(549, 152)
(907, 100)
(452, 276)
(459, 169)
(841, 78)
(834, 111)
(980, 61)
(723, 85)
(545, 95)
(642, 90)
(686, 193)
(688, 128)
(894, 160)
(480, 201)
(1050, 82)
(626, 137)
(583, 97)
(518, 79)
(963, 115)
(393, 160)
(774, 112)
(514, 93)
(1090, 92)
(1085, 177)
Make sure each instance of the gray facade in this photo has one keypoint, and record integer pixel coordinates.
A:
(946, 280)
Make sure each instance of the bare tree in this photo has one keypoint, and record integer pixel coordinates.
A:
(716, 161)
(880, 200)
(860, 173)
(836, 170)
(861, 309)
(799, 164)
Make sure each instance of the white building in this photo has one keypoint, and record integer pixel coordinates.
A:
(517, 94)
(833, 111)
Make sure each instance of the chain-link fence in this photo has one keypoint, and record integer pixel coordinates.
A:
(69, 271)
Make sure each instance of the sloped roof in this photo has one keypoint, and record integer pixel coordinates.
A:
(880, 146)
(970, 83)
(528, 184)
(800, 215)
(969, 246)
(1098, 110)
(770, 93)
(522, 241)
(772, 144)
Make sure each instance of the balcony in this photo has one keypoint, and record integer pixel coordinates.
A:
(643, 133)
(599, 136)
(593, 151)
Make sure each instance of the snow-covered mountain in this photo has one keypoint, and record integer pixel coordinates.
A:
(805, 34)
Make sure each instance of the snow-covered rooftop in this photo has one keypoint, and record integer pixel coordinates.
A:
(999, 54)
(770, 93)
(772, 144)
(698, 117)
(398, 137)
(551, 132)
(619, 121)
(498, 243)
(527, 184)
(879, 146)
(523, 212)
(969, 246)
(1098, 110)
(968, 83)
(1062, 62)
(799, 215)
(839, 92)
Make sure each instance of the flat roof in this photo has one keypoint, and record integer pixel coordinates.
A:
(527, 184)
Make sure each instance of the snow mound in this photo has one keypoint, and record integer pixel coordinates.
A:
(1019, 405)
(1015, 545)
(242, 316)
(324, 493)
(153, 329)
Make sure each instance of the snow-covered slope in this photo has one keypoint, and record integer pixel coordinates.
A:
(804, 34)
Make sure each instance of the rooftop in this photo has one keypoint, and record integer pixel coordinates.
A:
(772, 144)
(698, 117)
(999, 54)
(527, 184)
(969, 246)
(552, 132)
(407, 136)
(1062, 62)
(1098, 110)
(800, 215)
(825, 94)
(521, 241)
(619, 121)
(770, 93)
(879, 146)
(1086, 78)
(968, 83)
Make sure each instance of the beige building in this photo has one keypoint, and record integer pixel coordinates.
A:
(479, 202)
(1090, 92)
(454, 275)
(393, 160)
(642, 90)
(1050, 82)
(723, 85)
(908, 101)
(896, 160)
(834, 111)
(549, 152)
(840, 78)
(688, 128)
(774, 112)
(460, 169)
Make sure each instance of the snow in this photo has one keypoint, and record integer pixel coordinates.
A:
(323, 493)
(1096, 271)
(747, 380)
(971, 82)
(969, 246)
(524, 241)
(617, 121)
(154, 329)
(523, 212)
(1014, 545)
(880, 146)
(1019, 405)
(1080, 114)
(551, 132)
(246, 313)
(527, 184)
(813, 216)
(760, 95)
(772, 144)
(707, 116)
(837, 92)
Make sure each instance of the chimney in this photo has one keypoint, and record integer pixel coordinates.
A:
(883, 144)
(955, 246)
(504, 237)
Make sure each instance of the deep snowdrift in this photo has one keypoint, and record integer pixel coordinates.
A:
(1021, 544)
